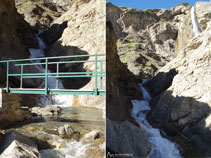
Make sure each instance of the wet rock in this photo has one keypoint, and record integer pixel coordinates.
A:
(91, 136)
(125, 137)
(45, 111)
(67, 132)
(16, 145)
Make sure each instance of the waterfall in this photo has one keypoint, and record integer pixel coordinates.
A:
(61, 100)
(196, 27)
(161, 147)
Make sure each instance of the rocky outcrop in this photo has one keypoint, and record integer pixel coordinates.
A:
(80, 37)
(120, 82)
(146, 38)
(40, 14)
(126, 138)
(186, 28)
(13, 144)
(16, 35)
(185, 105)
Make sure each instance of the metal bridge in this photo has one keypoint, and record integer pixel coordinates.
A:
(98, 74)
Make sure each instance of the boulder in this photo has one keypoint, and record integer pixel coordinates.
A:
(67, 131)
(16, 145)
(125, 137)
(91, 136)
(46, 111)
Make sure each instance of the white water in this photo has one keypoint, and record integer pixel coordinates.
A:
(161, 147)
(196, 27)
(72, 149)
(61, 100)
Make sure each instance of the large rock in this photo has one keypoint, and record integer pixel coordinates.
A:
(46, 111)
(16, 35)
(125, 137)
(15, 145)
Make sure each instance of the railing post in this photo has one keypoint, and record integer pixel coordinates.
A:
(95, 90)
(21, 85)
(101, 73)
(57, 76)
(46, 76)
(7, 82)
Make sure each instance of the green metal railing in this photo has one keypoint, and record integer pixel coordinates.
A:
(98, 73)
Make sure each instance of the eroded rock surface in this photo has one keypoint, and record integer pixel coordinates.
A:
(146, 39)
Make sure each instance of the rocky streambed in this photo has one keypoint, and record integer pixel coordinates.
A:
(75, 132)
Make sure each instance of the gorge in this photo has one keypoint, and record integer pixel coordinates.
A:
(170, 48)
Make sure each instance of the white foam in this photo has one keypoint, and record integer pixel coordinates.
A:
(161, 147)
(59, 100)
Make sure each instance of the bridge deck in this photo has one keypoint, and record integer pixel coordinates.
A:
(54, 91)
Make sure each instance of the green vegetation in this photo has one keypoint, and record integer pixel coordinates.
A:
(162, 20)
(131, 43)
(147, 11)
(21, 7)
(185, 4)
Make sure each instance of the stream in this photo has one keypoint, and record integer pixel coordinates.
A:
(45, 129)
(58, 100)
(161, 147)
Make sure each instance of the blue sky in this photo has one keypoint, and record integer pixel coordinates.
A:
(146, 4)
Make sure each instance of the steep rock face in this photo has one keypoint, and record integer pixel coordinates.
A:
(80, 37)
(185, 105)
(121, 85)
(16, 36)
(185, 34)
(39, 13)
(146, 38)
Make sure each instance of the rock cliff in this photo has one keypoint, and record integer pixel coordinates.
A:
(183, 106)
(146, 38)
(40, 14)
(80, 37)
(16, 35)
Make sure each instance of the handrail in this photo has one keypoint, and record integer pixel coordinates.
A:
(46, 74)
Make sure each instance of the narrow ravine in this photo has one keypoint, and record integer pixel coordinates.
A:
(61, 100)
(160, 147)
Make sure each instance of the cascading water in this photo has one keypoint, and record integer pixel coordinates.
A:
(196, 27)
(161, 147)
(61, 100)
